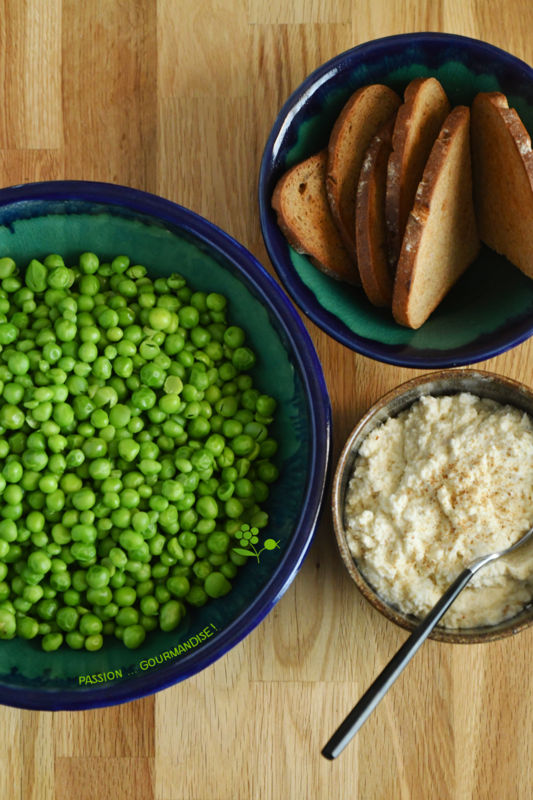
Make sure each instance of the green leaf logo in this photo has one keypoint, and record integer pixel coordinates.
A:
(241, 552)
(248, 538)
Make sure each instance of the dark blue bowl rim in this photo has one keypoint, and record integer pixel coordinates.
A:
(277, 246)
(310, 370)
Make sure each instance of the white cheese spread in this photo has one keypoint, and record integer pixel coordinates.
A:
(445, 482)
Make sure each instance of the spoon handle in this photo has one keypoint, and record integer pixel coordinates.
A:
(377, 691)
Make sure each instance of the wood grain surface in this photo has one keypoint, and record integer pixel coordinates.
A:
(177, 97)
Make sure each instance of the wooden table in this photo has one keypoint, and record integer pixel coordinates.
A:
(177, 97)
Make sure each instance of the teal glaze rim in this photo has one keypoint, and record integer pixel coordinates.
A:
(283, 136)
(13, 206)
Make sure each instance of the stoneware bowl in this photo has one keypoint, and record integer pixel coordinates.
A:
(73, 217)
(490, 308)
(483, 384)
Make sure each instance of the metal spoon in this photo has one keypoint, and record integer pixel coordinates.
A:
(377, 691)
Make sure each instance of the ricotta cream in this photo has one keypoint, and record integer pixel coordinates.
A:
(448, 480)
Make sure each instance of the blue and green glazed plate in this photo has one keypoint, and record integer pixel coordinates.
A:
(72, 217)
(490, 309)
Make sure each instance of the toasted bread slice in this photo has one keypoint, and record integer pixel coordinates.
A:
(304, 216)
(370, 226)
(418, 124)
(441, 238)
(363, 114)
(502, 164)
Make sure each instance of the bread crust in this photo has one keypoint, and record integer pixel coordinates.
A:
(399, 201)
(371, 232)
(418, 219)
(338, 265)
(366, 110)
(492, 226)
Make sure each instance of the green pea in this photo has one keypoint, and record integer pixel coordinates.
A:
(215, 302)
(174, 344)
(242, 445)
(207, 507)
(133, 636)
(126, 617)
(13, 393)
(234, 337)
(149, 606)
(217, 585)
(233, 508)
(27, 627)
(244, 382)
(243, 358)
(169, 615)
(67, 618)
(90, 625)
(97, 577)
(144, 398)
(18, 363)
(243, 488)
(83, 552)
(202, 569)
(119, 416)
(11, 417)
(100, 468)
(118, 580)
(159, 318)
(36, 276)
(267, 472)
(129, 498)
(229, 570)
(8, 624)
(189, 317)
(199, 428)
(226, 458)
(259, 520)
(232, 428)
(226, 406)
(89, 263)
(47, 608)
(71, 597)
(218, 543)
(75, 640)
(39, 562)
(66, 330)
(125, 596)
(8, 332)
(197, 596)
(52, 641)
(130, 540)
(83, 499)
(249, 399)
(94, 642)
(88, 352)
(226, 372)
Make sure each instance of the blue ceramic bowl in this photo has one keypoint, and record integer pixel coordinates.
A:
(73, 217)
(490, 309)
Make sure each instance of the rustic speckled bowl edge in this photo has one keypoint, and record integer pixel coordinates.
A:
(484, 384)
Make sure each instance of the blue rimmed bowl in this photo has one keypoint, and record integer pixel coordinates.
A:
(70, 217)
(490, 309)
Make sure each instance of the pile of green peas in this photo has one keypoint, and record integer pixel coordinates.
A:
(133, 447)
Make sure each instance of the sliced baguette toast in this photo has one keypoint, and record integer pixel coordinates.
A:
(418, 124)
(363, 114)
(441, 238)
(370, 226)
(502, 163)
(304, 216)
